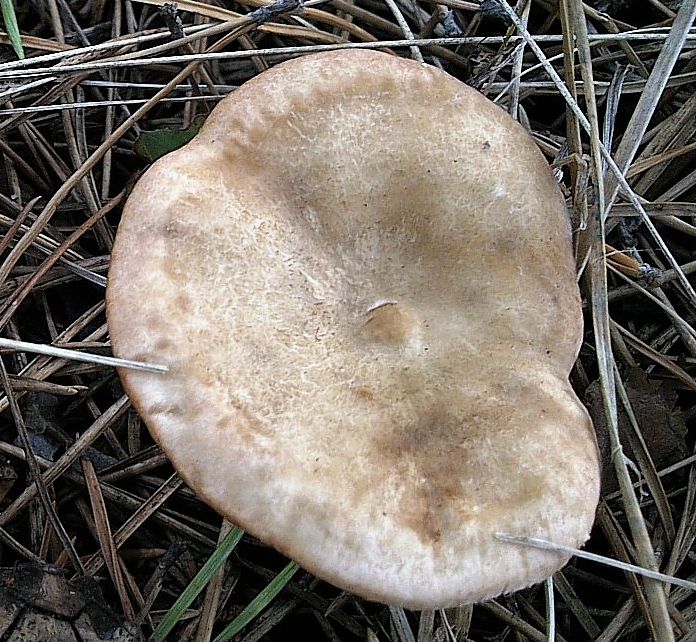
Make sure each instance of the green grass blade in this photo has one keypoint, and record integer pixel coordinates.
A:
(258, 604)
(10, 19)
(198, 583)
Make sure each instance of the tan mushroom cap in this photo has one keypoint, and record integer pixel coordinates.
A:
(360, 276)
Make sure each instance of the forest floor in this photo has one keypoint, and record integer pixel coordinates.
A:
(104, 88)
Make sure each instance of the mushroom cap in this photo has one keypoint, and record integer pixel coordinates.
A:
(360, 276)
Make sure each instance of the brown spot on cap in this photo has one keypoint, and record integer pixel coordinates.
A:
(392, 324)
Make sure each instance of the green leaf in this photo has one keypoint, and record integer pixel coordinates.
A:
(158, 142)
(198, 583)
(10, 18)
(258, 604)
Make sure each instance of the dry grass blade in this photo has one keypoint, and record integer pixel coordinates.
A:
(550, 611)
(213, 592)
(106, 540)
(647, 163)
(632, 568)
(515, 621)
(403, 25)
(657, 357)
(136, 520)
(576, 606)
(402, 628)
(32, 42)
(686, 535)
(426, 626)
(53, 351)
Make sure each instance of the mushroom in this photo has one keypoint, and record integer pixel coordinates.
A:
(359, 274)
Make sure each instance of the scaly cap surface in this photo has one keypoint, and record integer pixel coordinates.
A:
(360, 276)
